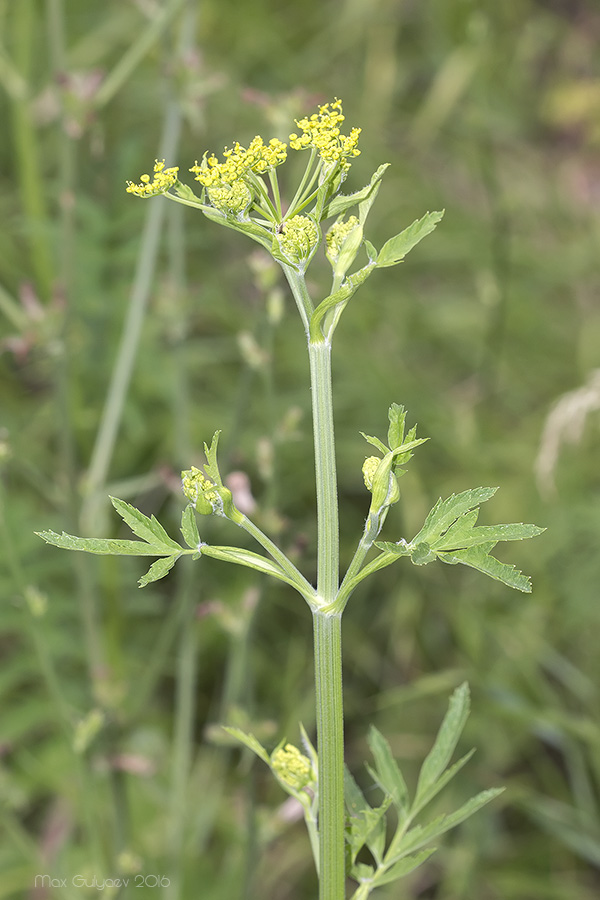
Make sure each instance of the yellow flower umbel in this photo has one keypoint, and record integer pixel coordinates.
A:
(321, 132)
(162, 180)
(232, 185)
(241, 190)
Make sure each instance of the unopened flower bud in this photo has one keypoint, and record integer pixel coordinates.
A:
(198, 489)
(292, 767)
(298, 239)
(233, 199)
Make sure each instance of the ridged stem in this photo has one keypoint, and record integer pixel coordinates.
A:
(328, 635)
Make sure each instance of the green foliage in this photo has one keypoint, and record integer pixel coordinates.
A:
(367, 825)
(450, 535)
(480, 109)
(394, 250)
(155, 542)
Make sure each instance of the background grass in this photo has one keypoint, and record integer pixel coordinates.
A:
(488, 110)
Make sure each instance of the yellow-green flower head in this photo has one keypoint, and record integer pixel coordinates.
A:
(292, 767)
(230, 198)
(369, 470)
(336, 236)
(162, 180)
(239, 162)
(381, 481)
(321, 131)
(197, 488)
(298, 239)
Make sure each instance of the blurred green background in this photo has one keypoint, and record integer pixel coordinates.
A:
(131, 330)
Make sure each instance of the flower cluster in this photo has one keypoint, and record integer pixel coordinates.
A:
(197, 488)
(292, 767)
(336, 236)
(230, 198)
(162, 180)
(299, 237)
(239, 161)
(369, 470)
(322, 132)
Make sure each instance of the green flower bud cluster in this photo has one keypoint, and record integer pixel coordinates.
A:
(230, 198)
(336, 236)
(292, 767)
(298, 239)
(381, 480)
(199, 491)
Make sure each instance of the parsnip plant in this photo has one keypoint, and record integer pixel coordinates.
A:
(243, 192)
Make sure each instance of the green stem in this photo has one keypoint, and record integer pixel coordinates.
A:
(300, 293)
(279, 556)
(304, 185)
(373, 526)
(328, 635)
(326, 481)
(330, 743)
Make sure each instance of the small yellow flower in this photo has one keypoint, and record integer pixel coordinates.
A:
(292, 767)
(321, 131)
(162, 180)
(239, 162)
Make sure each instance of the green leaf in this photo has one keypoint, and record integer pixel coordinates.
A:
(422, 554)
(478, 558)
(394, 250)
(406, 843)
(249, 741)
(158, 570)
(428, 795)
(447, 738)
(387, 774)
(362, 873)
(371, 250)
(366, 825)
(445, 512)
(450, 534)
(189, 527)
(397, 419)
(462, 534)
(212, 467)
(104, 546)
(309, 747)
(338, 299)
(353, 796)
(402, 868)
(375, 442)
(343, 202)
(149, 530)
(347, 253)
